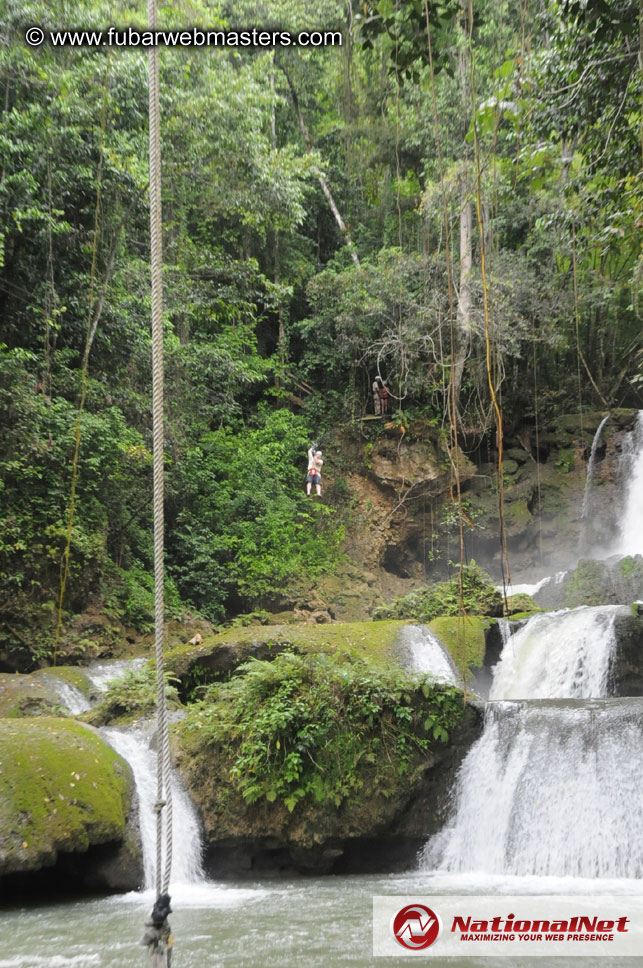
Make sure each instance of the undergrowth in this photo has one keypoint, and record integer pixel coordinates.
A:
(321, 728)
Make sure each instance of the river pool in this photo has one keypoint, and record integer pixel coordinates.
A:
(313, 922)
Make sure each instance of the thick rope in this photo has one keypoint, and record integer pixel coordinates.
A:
(164, 794)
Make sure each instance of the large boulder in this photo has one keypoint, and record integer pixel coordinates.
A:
(611, 581)
(372, 831)
(46, 692)
(65, 805)
(626, 673)
(217, 656)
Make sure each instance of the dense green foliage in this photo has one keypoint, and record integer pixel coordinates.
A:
(313, 727)
(478, 596)
(273, 332)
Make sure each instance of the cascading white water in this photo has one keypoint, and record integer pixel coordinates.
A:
(558, 655)
(133, 745)
(551, 788)
(427, 653)
(630, 539)
(72, 698)
(530, 588)
(590, 468)
(505, 630)
(102, 674)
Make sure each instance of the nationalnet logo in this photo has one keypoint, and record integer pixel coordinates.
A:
(416, 926)
(475, 926)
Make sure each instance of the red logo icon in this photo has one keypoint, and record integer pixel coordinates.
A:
(416, 926)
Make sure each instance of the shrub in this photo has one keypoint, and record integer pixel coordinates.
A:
(479, 597)
(317, 727)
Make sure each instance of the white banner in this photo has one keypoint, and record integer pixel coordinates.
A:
(444, 926)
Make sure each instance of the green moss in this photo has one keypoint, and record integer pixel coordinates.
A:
(587, 584)
(37, 694)
(517, 515)
(522, 603)
(61, 788)
(372, 641)
(464, 636)
(566, 459)
(73, 675)
(629, 567)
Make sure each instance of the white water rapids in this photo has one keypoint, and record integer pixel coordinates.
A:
(558, 655)
(551, 788)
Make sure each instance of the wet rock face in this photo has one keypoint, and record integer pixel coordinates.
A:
(626, 673)
(543, 501)
(65, 807)
(375, 833)
(612, 581)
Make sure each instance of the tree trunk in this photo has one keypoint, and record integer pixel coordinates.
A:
(466, 222)
(464, 292)
(320, 178)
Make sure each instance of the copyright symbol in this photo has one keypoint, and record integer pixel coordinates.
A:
(34, 36)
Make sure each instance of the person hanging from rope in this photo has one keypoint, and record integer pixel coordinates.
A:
(377, 400)
(314, 470)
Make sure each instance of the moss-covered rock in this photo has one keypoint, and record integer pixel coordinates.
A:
(304, 763)
(62, 790)
(464, 637)
(46, 692)
(521, 603)
(626, 672)
(219, 655)
(518, 454)
(614, 581)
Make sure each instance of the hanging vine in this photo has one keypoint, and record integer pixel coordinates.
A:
(452, 398)
(504, 557)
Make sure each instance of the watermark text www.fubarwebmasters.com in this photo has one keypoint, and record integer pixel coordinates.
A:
(191, 37)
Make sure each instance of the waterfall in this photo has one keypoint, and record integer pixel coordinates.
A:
(590, 469)
(133, 745)
(553, 785)
(505, 630)
(72, 698)
(558, 655)
(426, 653)
(551, 788)
(630, 525)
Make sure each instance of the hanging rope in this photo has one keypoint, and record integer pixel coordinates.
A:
(158, 936)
